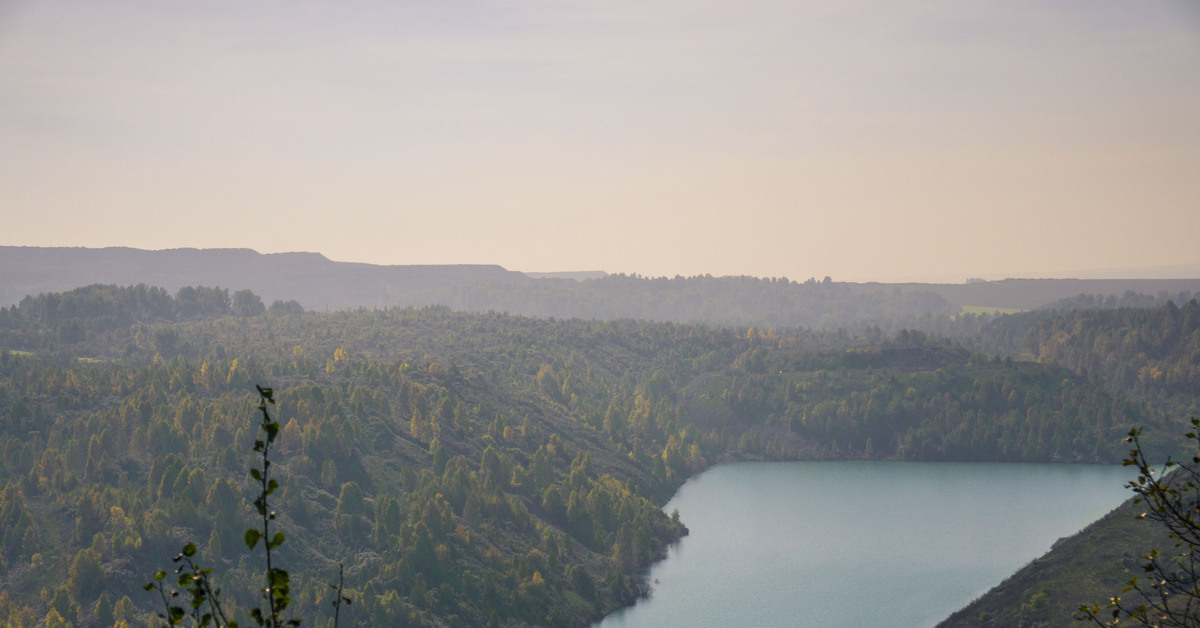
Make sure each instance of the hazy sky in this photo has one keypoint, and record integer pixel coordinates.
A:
(864, 140)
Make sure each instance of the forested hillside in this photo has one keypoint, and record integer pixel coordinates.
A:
(1153, 353)
(468, 469)
(772, 302)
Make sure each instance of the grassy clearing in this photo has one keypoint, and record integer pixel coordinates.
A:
(28, 353)
(989, 309)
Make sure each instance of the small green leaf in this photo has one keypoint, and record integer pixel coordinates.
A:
(252, 537)
(189, 550)
(279, 577)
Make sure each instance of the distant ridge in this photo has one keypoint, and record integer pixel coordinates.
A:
(1177, 271)
(1026, 294)
(578, 275)
(310, 278)
(318, 283)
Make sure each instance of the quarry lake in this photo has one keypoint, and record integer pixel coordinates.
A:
(898, 544)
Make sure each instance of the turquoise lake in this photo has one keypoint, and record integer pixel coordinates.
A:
(860, 544)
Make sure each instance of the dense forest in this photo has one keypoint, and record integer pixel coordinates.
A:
(1152, 352)
(772, 302)
(485, 468)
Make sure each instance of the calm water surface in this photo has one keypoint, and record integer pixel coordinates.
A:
(862, 544)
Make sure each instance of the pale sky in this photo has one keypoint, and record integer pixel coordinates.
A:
(861, 139)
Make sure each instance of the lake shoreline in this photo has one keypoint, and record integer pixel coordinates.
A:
(657, 577)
